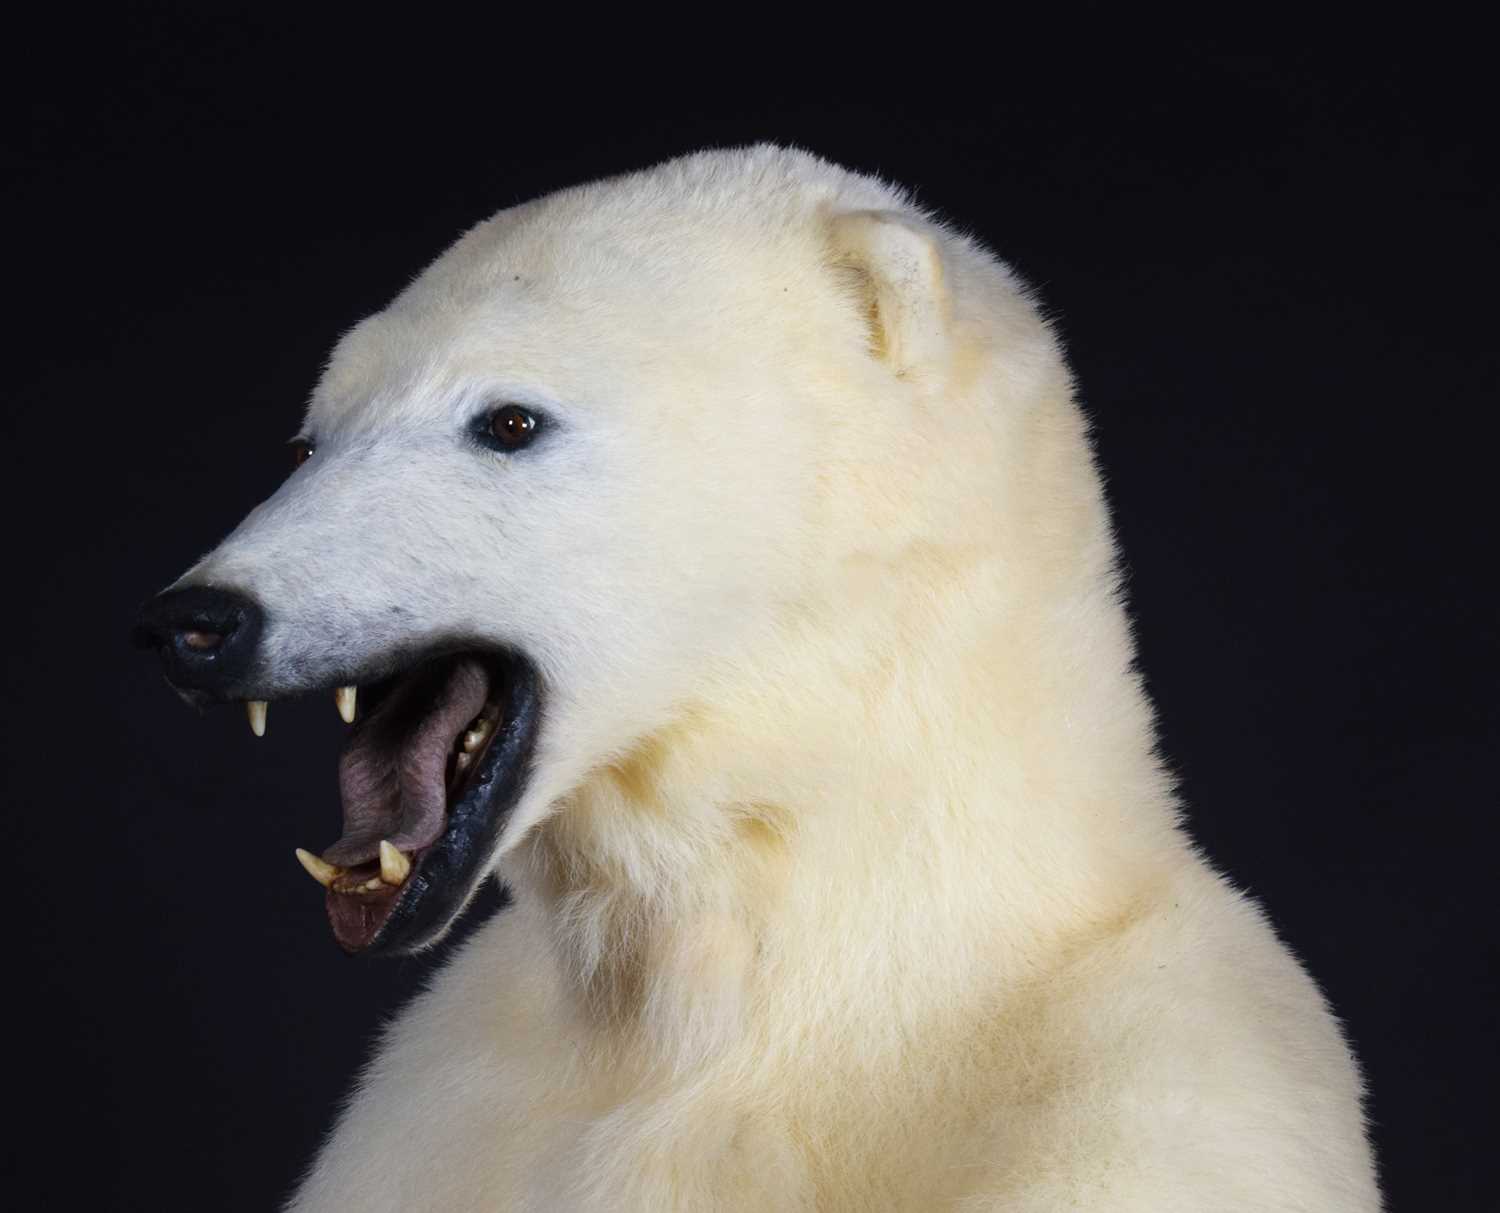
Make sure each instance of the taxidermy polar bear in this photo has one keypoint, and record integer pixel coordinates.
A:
(716, 555)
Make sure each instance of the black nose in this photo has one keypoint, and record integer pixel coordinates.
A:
(206, 637)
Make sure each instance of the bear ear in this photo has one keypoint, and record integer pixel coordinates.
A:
(899, 274)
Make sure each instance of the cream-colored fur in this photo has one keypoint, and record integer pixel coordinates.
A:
(847, 878)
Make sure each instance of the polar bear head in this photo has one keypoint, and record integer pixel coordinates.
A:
(586, 462)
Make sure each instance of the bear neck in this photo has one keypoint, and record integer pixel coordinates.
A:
(940, 767)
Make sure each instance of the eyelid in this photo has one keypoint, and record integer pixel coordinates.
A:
(539, 411)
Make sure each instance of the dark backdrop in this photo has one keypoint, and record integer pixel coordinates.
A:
(1275, 276)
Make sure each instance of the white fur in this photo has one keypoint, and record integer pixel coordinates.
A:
(847, 877)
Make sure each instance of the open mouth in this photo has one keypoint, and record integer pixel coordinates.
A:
(431, 771)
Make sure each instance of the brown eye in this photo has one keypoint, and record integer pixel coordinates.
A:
(512, 427)
(302, 451)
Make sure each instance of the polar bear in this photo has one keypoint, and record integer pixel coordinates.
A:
(716, 555)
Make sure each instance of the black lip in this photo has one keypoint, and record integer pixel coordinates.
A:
(448, 873)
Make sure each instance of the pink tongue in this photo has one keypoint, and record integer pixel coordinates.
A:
(393, 771)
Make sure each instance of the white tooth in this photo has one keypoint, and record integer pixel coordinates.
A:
(318, 868)
(343, 699)
(394, 866)
(463, 761)
(255, 709)
(370, 885)
(473, 739)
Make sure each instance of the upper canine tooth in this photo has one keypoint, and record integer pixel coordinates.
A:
(343, 699)
(394, 866)
(474, 738)
(255, 709)
(318, 868)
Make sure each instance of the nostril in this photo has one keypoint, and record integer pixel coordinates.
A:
(206, 637)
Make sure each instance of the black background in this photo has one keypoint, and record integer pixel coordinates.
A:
(1273, 266)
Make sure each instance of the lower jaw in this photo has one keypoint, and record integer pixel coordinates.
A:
(371, 917)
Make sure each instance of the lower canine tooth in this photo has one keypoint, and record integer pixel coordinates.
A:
(343, 699)
(318, 868)
(394, 866)
(463, 760)
(255, 709)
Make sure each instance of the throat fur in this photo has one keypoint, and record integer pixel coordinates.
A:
(658, 901)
